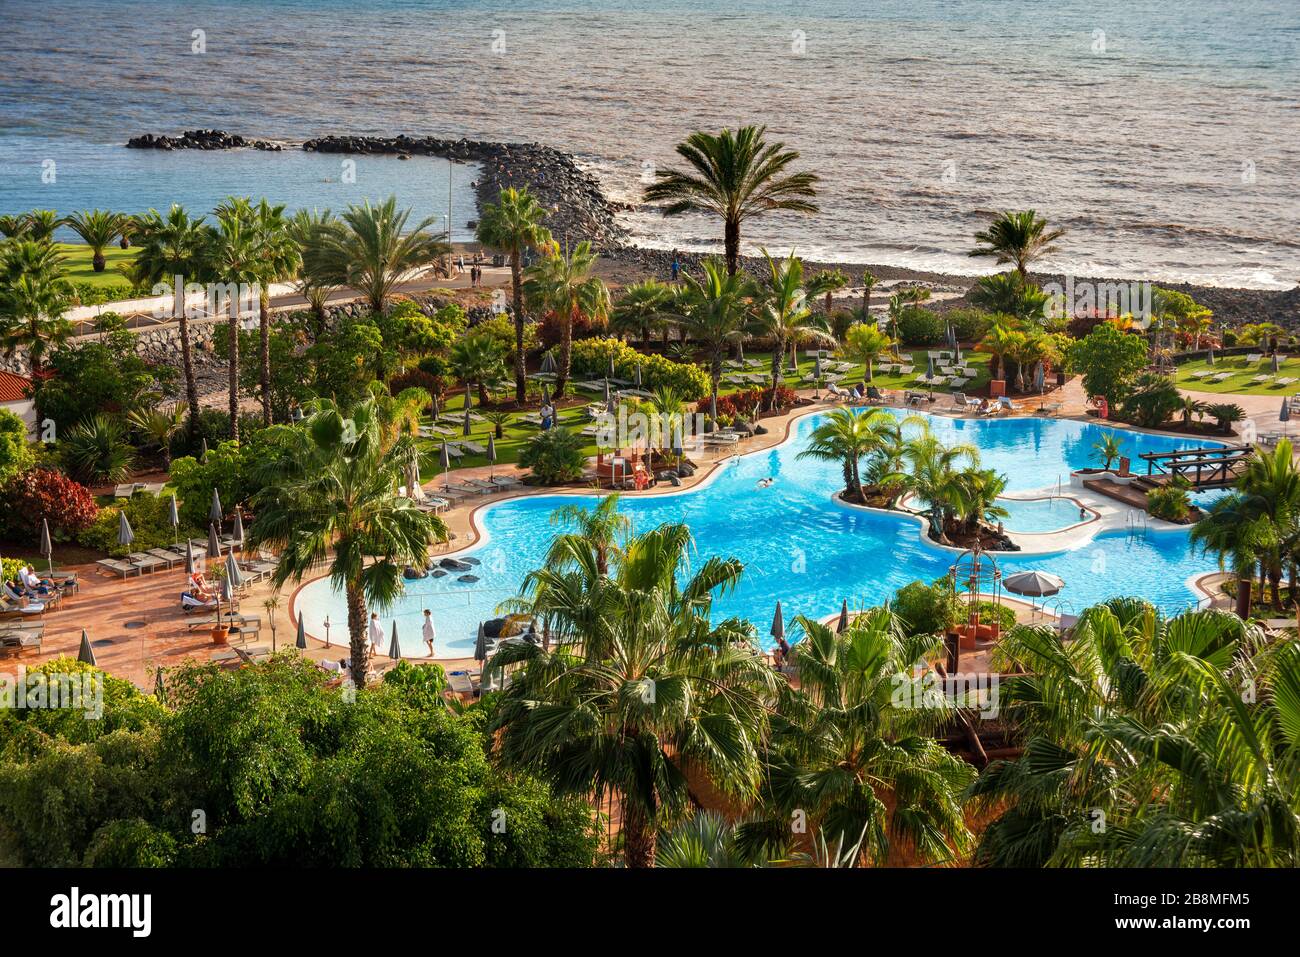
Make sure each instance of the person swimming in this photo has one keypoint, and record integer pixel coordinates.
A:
(765, 483)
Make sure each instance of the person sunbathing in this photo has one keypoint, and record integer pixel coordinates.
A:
(37, 587)
(200, 589)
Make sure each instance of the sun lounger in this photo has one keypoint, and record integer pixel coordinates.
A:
(1284, 381)
(958, 382)
(460, 682)
(1254, 357)
(166, 555)
(506, 481)
(482, 485)
(474, 447)
(1200, 373)
(146, 561)
(122, 568)
(465, 489)
(1256, 380)
(19, 643)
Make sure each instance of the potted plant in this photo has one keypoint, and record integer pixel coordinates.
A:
(221, 630)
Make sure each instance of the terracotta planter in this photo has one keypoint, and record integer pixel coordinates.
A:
(219, 634)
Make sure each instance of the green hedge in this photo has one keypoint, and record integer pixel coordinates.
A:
(920, 327)
(591, 359)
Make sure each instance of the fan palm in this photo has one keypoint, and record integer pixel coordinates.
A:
(562, 284)
(41, 224)
(371, 250)
(1009, 293)
(97, 229)
(975, 495)
(597, 531)
(158, 425)
(478, 358)
(736, 176)
(331, 485)
(858, 757)
(1019, 238)
(34, 294)
(1108, 449)
(782, 314)
(714, 311)
(1153, 742)
(96, 451)
(640, 685)
(513, 226)
(641, 309)
(304, 227)
(865, 343)
(171, 247)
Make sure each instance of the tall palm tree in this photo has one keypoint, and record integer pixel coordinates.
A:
(846, 436)
(562, 284)
(304, 227)
(1019, 238)
(279, 258)
(169, 247)
(641, 684)
(34, 294)
(975, 497)
(869, 282)
(862, 764)
(398, 414)
(97, 229)
(782, 314)
(640, 309)
(330, 496)
(598, 534)
(371, 250)
(1152, 742)
(513, 226)
(714, 311)
(735, 176)
(235, 258)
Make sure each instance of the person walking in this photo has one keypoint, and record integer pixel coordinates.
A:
(429, 633)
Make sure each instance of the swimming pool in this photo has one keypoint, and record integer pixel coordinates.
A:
(801, 547)
(1035, 515)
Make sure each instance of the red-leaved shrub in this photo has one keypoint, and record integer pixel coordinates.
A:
(45, 493)
(742, 403)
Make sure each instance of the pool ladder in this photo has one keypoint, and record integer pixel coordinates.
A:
(1136, 523)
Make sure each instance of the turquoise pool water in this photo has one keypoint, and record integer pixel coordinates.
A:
(798, 545)
(1040, 514)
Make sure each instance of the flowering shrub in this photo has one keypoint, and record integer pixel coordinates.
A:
(591, 359)
(742, 403)
(45, 493)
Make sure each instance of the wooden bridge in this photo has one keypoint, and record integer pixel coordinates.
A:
(1214, 467)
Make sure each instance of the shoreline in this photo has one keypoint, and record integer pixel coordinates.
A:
(581, 209)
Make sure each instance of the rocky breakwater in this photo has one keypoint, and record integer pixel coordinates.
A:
(577, 207)
(201, 140)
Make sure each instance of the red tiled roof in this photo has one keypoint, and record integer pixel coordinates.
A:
(13, 388)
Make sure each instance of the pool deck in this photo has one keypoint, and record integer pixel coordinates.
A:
(136, 626)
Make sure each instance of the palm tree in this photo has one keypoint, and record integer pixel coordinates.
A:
(479, 360)
(999, 341)
(512, 226)
(13, 227)
(1108, 449)
(975, 496)
(640, 685)
(158, 425)
(41, 224)
(279, 258)
(869, 281)
(235, 259)
(1019, 238)
(398, 414)
(304, 227)
(932, 476)
(96, 450)
(97, 229)
(562, 284)
(641, 309)
(332, 486)
(858, 760)
(782, 313)
(845, 436)
(714, 311)
(1010, 294)
(34, 294)
(865, 343)
(736, 176)
(598, 533)
(171, 247)
(1152, 742)
(371, 250)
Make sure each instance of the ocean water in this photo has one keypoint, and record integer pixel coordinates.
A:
(1164, 136)
(797, 544)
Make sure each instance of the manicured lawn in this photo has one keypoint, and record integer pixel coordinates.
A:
(1242, 375)
(79, 266)
(518, 433)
